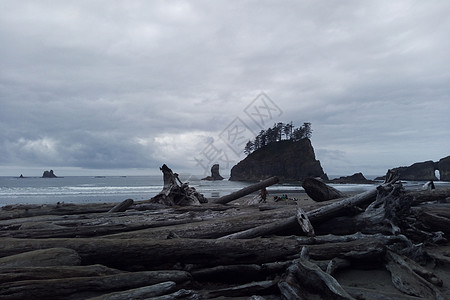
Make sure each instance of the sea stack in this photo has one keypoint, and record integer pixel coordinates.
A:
(215, 175)
(288, 160)
(49, 174)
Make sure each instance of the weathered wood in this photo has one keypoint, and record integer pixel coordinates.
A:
(132, 254)
(406, 280)
(247, 273)
(317, 215)
(122, 206)
(140, 293)
(245, 290)
(176, 194)
(337, 263)
(146, 253)
(304, 222)
(55, 272)
(42, 258)
(107, 224)
(247, 190)
(180, 294)
(61, 288)
(305, 280)
(215, 225)
(368, 294)
(22, 211)
(320, 191)
(428, 196)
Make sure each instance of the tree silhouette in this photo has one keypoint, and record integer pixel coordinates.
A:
(275, 134)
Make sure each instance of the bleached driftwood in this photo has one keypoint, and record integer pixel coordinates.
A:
(176, 192)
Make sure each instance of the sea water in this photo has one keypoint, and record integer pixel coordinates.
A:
(99, 189)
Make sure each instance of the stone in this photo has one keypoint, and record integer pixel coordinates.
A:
(288, 160)
(421, 171)
(49, 174)
(215, 175)
(444, 168)
(357, 178)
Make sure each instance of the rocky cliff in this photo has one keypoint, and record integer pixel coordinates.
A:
(288, 160)
(425, 171)
(357, 178)
(215, 175)
(444, 168)
(421, 171)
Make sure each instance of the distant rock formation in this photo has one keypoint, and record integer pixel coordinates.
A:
(444, 168)
(215, 175)
(49, 174)
(288, 160)
(357, 178)
(425, 171)
(421, 171)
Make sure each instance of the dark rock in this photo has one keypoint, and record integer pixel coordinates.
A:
(288, 160)
(421, 171)
(444, 168)
(215, 175)
(357, 178)
(49, 174)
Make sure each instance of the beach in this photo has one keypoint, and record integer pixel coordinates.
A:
(83, 250)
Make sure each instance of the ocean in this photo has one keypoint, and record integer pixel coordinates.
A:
(101, 189)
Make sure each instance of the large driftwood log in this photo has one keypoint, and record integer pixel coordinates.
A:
(317, 215)
(135, 254)
(42, 258)
(245, 290)
(140, 293)
(214, 226)
(176, 192)
(247, 190)
(61, 288)
(369, 294)
(428, 196)
(122, 206)
(319, 191)
(305, 280)
(106, 224)
(29, 210)
(54, 272)
(409, 279)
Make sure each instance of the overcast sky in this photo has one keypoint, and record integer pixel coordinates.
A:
(121, 87)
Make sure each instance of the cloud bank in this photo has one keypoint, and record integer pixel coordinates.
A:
(113, 85)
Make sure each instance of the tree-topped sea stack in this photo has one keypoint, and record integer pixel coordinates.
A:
(283, 151)
(288, 160)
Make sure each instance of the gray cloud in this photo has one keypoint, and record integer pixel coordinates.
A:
(116, 85)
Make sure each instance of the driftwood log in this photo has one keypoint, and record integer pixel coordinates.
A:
(319, 191)
(247, 190)
(176, 192)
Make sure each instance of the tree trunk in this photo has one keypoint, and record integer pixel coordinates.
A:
(315, 216)
(122, 206)
(174, 194)
(247, 190)
(62, 288)
(135, 254)
(140, 293)
(9, 274)
(319, 191)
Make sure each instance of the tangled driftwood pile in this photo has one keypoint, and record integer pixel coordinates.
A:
(218, 250)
